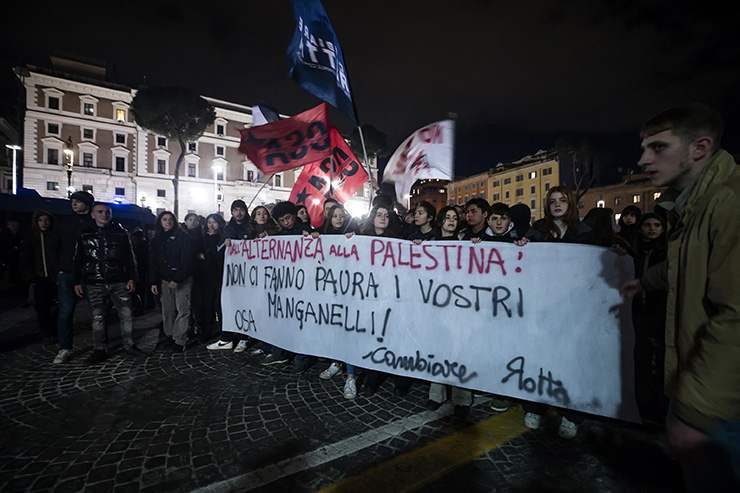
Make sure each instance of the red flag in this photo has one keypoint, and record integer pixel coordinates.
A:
(338, 176)
(289, 143)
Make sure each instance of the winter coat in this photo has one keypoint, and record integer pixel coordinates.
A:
(648, 308)
(170, 256)
(510, 236)
(69, 229)
(239, 231)
(702, 275)
(104, 255)
(433, 234)
(580, 233)
(468, 234)
(40, 255)
(212, 267)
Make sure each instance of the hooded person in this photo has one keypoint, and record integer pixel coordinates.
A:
(521, 216)
(629, 229)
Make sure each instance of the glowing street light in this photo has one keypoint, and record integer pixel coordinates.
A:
(69, 162)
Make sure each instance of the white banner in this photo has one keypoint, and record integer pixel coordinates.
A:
(427, 153)
(543, 322)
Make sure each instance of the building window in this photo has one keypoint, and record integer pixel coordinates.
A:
(533, 204)
(161, 166)
(120, 163)
(88, 109)
(506, 195)
(519, 192)
(120, 115)
(250, 175)
(192, 147)
(52, 156)
(220, 129)
(533, 189)
(495, 183)
(87, 188)
(507, 181)
(220, 175)
(220, 150)
(52, 129)
(161, 193)
(120, 138)
(161, 141)
(601, 204)
(191, 170)
(52, 186)
(53, 103)
(547, 187)
(636, 198)
(160, 210)
(519, 177)
(546, 171)
(121, 191)
(532, 175)
(656, 195)
(495, 197)
(88, 134)
(278, 181)
(87, 159)
(617, 200)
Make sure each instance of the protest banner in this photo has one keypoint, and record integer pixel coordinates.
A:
(543, 322)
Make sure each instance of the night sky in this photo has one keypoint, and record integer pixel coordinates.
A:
(518, 75)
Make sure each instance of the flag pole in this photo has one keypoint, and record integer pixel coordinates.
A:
(258, 191)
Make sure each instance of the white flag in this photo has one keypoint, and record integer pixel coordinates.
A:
(427, 153)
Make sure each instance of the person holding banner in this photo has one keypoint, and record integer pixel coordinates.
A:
(560, 224)
(238, 228)
(302, 214)
(210, 277)
(424, 227)
(448, 221)
(339, 222)
(263, 223)
(476, 216)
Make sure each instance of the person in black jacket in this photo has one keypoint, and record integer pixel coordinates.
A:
(40, 262)
(561, 223)
(476, 216)
(424, 218)
(193, 227)
(171, 270)
(69, 229)
(648, 315)
(239, 227)
(629, 229)
(209, 275)
(105, 269)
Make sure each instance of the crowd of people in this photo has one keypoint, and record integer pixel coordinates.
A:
(87, 254)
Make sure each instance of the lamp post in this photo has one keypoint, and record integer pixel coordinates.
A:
(69, 162)
(217, 168)
(15, 149)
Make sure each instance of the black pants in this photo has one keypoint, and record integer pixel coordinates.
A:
(209, 316)
(45, 299)
(649, 359)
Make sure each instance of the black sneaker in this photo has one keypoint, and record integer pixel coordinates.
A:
(97, 356)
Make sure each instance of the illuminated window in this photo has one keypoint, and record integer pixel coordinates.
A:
(88, 109)
(656, 195)
(600, 203)
(120, 115)
(532, 175)
(636, 198)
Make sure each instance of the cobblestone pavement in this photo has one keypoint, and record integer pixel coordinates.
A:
(179, 422)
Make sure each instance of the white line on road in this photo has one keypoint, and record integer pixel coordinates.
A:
(327, 453)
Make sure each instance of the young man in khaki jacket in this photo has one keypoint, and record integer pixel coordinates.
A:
(681, 151)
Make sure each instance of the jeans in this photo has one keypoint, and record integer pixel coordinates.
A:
(98, 296)
(67, 302)
(176, 309)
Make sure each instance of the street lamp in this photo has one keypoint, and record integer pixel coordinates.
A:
(69, 162)
(217, 168)
(15, 149)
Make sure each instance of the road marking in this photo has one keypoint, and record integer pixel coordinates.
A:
(418, 467)
(327, 453)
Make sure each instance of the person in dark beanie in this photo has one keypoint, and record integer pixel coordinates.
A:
(40, 263)
(105, 270)
(171, 270)
(239, 227)
(69, 229)
(521, 215)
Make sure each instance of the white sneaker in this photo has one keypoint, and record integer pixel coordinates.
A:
(62, 356)
(532, 420)
(329, 373)
(256, 351)
(350, 388)
(568, 429)
(241, 346)
(220, 345)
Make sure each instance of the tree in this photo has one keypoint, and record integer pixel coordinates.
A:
(176, 113)
(583, 164)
